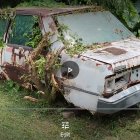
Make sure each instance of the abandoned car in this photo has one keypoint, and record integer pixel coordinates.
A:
(101, 64)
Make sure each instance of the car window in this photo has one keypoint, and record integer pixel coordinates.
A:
(3, 25)
(22, 29)
(94, 27)
(137, 5)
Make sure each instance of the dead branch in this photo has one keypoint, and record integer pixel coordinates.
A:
(49, 90)
(29, 98)
(55, 84)
(5, 75)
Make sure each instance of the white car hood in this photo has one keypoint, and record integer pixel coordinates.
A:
(125, 52)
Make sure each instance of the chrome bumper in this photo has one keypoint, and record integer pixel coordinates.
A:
(120, 101)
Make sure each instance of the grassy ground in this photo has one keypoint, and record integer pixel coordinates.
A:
(19, 121)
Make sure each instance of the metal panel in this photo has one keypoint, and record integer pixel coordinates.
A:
(81, 99)
(120, 53)
(15, 56)
(50, 26)
(14, 62)
(91, 75)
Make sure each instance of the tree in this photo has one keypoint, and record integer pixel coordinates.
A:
(12, 3)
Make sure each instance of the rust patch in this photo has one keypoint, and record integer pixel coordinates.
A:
(115, 51)
(98, 64)
(2, 77)
(15, 72)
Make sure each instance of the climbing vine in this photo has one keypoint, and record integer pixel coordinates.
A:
(7, 14)
(2, 44)
(74, 45)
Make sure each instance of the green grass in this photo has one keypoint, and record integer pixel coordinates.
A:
(19, 121)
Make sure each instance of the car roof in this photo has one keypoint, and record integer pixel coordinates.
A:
(55, 11)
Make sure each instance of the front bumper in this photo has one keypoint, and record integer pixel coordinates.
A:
(120, 101)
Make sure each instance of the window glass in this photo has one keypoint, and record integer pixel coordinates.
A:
(3, 25)
(22, 30)
(97, 27)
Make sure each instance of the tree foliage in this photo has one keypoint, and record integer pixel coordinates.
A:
(124, 9)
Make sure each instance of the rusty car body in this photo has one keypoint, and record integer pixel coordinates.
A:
(109, 76)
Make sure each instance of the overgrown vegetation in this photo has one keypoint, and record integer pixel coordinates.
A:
(8, 14)
(5, 15)
(74, 45)
(2, 44)
(125, 10)
(41, 67)
(35, 36)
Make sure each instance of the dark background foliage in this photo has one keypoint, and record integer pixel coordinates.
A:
(123, 9)
(10, 3)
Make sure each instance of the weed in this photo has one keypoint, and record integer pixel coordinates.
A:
(2, 44)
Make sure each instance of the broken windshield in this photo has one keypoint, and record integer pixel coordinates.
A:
(94, 27)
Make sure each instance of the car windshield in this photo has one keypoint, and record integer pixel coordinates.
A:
(94, 27)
